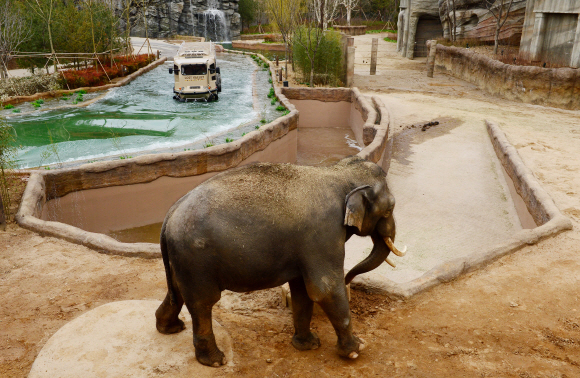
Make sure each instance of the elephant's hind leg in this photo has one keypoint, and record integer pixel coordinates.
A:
(199, 303)
(302, 305)
(167, 315)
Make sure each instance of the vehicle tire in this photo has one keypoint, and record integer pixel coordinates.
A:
(219, 88)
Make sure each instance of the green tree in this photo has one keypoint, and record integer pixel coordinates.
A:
(247, 11)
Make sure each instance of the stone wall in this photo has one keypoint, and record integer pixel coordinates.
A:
(559, 87)
(167, 18)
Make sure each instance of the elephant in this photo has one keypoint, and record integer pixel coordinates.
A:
(262, 225)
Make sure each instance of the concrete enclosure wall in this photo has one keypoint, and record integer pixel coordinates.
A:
(559, 87)
(121, 194)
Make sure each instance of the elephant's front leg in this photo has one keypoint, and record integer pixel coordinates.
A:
(302, 306)
(335, 304)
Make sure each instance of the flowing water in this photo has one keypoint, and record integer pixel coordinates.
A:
(214, 23)
(141, 116)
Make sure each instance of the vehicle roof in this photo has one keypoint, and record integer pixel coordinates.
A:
(183, 60)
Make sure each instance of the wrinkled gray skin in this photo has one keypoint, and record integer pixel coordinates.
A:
(263, 225)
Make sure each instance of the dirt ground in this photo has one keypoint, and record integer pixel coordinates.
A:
(518, 317)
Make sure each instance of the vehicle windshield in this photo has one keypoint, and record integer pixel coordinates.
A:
(194, 69)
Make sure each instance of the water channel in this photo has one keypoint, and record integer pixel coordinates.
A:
(142, 117)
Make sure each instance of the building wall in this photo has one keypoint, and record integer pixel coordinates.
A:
(412, 14)
(551, 32)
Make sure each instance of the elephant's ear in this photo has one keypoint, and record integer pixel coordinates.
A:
(355, 207)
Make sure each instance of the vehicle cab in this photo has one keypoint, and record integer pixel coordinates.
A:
(196, 74)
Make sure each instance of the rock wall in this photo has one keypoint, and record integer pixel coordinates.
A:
(558, 87)
(179, 17)
(475, 21)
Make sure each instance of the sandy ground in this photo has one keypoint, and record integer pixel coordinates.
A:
(518, 317)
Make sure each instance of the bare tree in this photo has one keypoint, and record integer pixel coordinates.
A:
(499, 16)
(285, 14)
(310, 35)
(13, 33)
(451, 22)
(349, 5)
(44, 9)
(325, 11)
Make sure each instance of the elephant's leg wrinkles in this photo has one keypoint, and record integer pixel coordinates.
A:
(302, 306)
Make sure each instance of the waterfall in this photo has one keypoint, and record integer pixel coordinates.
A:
(192, 20)
(215, 28)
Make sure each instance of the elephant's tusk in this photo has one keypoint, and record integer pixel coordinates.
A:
(391, 262)
(394, 249)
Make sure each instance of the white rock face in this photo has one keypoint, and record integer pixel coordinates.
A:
(169, 17)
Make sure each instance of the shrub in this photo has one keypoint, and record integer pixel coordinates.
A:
(280, 108)
(28, 85)
(271, 94)
(9, 106)
(92, 77)
(327, 62)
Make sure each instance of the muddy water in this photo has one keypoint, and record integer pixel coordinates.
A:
(144, 234)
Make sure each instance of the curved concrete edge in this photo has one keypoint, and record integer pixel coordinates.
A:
(45, 185)
(539, 203)
(29, 212)
(19, 99)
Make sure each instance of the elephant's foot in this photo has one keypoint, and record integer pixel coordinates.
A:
(168, 328)
(311, 341)
(214, 358)
(352, 348)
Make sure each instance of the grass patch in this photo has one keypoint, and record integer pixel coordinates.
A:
(229, 140)
(381, 31)
(280, 108)
(9, 106)
(387, 39)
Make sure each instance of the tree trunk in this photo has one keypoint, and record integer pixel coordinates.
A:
(348, 11)
(497, 28)
(312, 75)
(454, 22)
(287, 53)
(2, 216)
(449, 21)
(322, 6)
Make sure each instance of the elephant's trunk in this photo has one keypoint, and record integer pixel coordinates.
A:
(377, 257)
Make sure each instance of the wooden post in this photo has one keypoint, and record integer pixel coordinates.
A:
(158, 54)
(280, 73)
(276, 60)
(374, 49)
(2, 217)
(431, 58)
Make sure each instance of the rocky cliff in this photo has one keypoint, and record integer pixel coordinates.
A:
(475, 21)
(217, 20)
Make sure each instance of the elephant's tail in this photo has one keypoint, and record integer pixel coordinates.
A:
(377, 257)
(168, 273)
